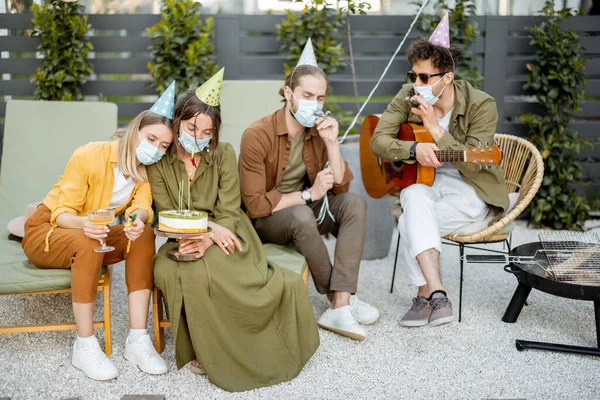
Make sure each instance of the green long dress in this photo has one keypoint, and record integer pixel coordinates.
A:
(250, 324)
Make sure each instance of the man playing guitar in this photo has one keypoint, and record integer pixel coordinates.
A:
(458, 117)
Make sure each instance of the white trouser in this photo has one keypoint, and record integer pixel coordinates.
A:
(432, 212)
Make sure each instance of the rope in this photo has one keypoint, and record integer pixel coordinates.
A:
(325, 207)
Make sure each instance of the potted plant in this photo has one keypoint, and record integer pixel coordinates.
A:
(62, 30)
(181, 46)
(557, 78)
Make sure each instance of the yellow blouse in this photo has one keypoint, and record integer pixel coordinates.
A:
(88, 183)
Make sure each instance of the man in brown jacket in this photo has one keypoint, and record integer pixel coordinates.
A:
(285, 181)
(458, 117)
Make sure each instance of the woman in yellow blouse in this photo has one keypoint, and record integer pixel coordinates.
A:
(104, 175)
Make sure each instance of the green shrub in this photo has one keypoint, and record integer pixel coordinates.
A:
(320, 22)
(61, 29)
(557, 79)
(181, 46)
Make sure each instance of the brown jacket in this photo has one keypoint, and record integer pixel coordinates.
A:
(264, 154)
(473, 122)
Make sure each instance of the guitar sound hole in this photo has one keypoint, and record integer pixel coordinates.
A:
(398, 166)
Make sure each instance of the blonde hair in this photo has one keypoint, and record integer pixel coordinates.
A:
(127, 160)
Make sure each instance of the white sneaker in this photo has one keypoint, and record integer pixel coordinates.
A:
(93, 362)
(143, 354)
(364, 313)
(343, 322)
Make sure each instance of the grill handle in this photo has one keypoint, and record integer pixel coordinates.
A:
(515, 272)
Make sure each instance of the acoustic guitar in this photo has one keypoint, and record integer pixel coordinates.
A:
(382, 177)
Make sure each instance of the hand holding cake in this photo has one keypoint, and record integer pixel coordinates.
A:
(194, 246)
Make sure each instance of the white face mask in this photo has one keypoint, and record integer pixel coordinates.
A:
(146, 153)
(305, 114)
(192, 145)
(426, 92)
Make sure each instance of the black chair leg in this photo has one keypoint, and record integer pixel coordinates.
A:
(462, 253)
(395, 263)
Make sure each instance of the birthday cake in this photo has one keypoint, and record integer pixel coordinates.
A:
(183, 221)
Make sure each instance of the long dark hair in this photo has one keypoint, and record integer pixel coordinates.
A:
(188, 105)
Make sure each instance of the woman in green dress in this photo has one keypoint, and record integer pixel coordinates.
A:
(246, 323)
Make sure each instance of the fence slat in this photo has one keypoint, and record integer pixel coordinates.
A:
(114, 44)
(16, 87)
(18, 43)
(517, 65)
(580, 23)
(344, 86)
(590, 171)
(494, 63)
(16, 21)
(139, 22)
(227, 37)
(379, 44)
(514, 87)
(589, 109)
(588, 130)
(520, 45)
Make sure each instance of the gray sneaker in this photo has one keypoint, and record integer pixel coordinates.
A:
(418, 315)
(441, 310)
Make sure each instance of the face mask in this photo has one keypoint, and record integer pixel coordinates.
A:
(146, 153)
(426, 92)
(191, 145)
(305, 114)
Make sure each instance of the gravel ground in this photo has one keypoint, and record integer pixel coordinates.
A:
(475, 359)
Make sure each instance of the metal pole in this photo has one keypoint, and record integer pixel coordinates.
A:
(561, 348)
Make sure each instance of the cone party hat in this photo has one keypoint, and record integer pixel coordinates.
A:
(165, 105)
(308, 55)
(441, 35)
(210, 92)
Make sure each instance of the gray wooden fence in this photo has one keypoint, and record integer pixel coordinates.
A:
(246, 46)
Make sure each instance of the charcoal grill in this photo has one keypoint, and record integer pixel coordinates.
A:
(561, 264)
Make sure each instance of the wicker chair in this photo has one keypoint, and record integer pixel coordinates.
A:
(523, 171)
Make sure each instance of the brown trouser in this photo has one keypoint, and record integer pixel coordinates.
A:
(70, 248)
(297, 224)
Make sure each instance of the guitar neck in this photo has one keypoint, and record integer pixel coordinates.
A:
(450, 155)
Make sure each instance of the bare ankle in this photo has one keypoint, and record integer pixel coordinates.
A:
(423, 291)
(339, 299)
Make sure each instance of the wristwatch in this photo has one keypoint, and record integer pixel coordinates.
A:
(305, 194)
(412, 155)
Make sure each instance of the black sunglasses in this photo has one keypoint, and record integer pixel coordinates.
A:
(423, 77)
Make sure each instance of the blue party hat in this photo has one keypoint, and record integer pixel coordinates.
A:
(165, 105)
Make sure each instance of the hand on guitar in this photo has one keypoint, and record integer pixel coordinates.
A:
(427, 114)
(426, 156)
(323, 183)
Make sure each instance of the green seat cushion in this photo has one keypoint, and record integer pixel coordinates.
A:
(48, 140)
(286, 257)
(19, 275)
